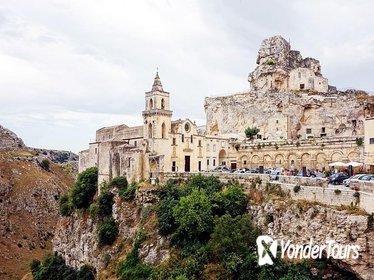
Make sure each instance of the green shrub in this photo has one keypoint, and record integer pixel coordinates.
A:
(53, 267)
(296, 188)
(107, 231)
(232, 235)
(105, 202)
(210, 184)
(269, 219)
(193, 214)
(93, 210)
(370, 221)
(119, 182)
(45, 164)
(359, 141)
(251, 132)
(131, 268)
(85, 188)
(35, 266)
(128, 193)
(232, 200)
(65, 206)
(86, 272)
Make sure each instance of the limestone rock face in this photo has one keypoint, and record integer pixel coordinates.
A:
(9, 139)
(28, 209)
(275, 48)
(287, 115)
(299, 223)
(282, 69)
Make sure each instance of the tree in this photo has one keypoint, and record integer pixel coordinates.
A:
(251, 132)
(108, 231)
(85, 188)
(194, 215)
(232, 236)
(232, 200)
(105, 203)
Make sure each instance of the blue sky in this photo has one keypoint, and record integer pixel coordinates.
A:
(68, 68)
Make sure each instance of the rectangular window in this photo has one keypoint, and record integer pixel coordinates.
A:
(323, 129)
(371, 140)
(302, 86)
(174, 166)
(308, 131)
(174, 141)
(199, 165)
(259, 136)
(207, 148)
(191, 139)
(276, 121)
(182, 138)
(214, 162)
(95, 150)
(129, 163)
(207, 162)
(214, 147)
(199, 143)
(244, 162)
(354, 123)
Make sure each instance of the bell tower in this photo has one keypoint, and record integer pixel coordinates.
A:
(157, 114)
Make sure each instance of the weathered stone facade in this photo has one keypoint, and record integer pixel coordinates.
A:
(282, 69)
(159, 145)
(300, 126)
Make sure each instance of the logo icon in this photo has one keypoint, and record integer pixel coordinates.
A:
(263, 253)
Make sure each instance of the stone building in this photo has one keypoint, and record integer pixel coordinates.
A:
(369, 143)
(158, 145)
(302, 123)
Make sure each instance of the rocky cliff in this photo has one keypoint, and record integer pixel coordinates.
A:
(76, 236)
(299, 222)
(9, 139)
(287, 115)
(28, 208)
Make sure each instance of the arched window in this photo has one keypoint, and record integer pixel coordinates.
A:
(150, 132)
(162, 103)
(151, 104)
(163, 131)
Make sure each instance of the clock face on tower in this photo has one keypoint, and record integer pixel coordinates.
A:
(187, 127)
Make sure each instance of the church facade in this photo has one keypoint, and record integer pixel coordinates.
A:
(159, 145)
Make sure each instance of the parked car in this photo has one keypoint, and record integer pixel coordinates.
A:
(367, 177)
(338, 178)
(346, 182)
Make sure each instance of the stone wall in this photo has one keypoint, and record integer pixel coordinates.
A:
(311, 189)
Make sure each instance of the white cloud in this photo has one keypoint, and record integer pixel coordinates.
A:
(69, 67)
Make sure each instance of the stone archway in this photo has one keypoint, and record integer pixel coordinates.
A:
(337, 156)
(321, 161)
(244, 161)
(306, 160)
(153, 164)
(279, 160)
(292, 162)
(353, 156)
(268, 161)
(254, 161)
(222, 157)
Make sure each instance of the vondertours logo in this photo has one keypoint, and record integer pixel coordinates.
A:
(267, 249)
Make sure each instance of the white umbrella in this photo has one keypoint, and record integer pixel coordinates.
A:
(337, 163)
(355, 163)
